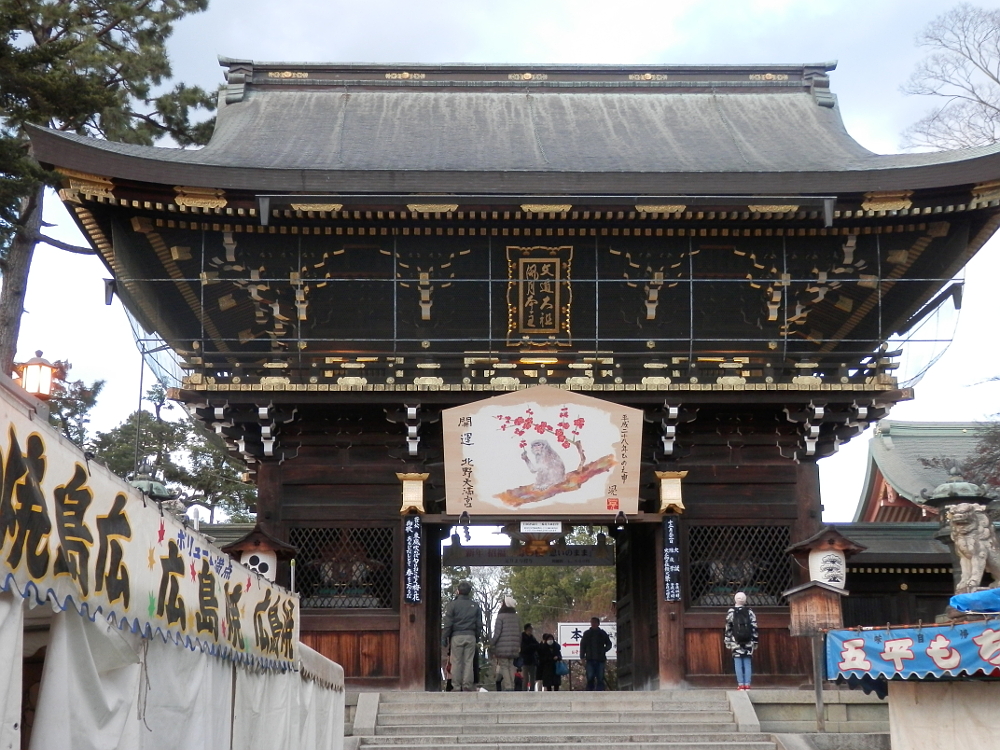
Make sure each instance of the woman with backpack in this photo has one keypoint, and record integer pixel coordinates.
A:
(741, 638)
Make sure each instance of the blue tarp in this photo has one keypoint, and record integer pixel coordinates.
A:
(979, 601)
(938, 650)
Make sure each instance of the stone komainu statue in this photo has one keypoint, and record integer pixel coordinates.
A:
(976, 544)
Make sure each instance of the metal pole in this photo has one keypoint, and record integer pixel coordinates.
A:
(817, 649)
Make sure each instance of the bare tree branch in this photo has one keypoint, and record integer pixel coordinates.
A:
(68, 247)
(963, 68)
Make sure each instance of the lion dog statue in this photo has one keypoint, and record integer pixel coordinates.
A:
(976, 544)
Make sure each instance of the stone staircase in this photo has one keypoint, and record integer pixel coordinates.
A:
(666, 720)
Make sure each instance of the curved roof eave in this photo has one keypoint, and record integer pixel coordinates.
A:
(171, 166)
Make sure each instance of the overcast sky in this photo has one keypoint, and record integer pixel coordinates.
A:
(872, 40)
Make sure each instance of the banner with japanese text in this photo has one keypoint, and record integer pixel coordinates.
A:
(75, 535)
(542, 450)
(937, 650)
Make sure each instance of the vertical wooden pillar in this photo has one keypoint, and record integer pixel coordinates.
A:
(808, 518)
(670, 628)
(432, 610)
(413, 623)
(269, 497)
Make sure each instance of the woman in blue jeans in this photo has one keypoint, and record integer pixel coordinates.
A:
(741, 638)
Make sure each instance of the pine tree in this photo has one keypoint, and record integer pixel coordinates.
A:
(93, 67)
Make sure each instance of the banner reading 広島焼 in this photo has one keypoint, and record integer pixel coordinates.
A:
(74, 535)
(542, 450)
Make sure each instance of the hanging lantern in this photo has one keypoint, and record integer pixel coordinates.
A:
(37, 375)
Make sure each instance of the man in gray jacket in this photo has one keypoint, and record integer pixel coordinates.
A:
(463, 622)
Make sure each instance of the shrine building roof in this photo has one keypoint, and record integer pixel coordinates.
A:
(511, 130)
(908, 457)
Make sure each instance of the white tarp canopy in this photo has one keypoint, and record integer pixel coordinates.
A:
(121, 628)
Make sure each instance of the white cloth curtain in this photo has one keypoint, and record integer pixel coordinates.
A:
(96, 678)
(322, 713)
(11, 635)
(266, 710)
(89, 686)
(188, 701)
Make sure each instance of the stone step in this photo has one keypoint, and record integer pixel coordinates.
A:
(556, 729)
(533, 716)
(433, 740)
(533, 744)
(574, 706)
(662, 696)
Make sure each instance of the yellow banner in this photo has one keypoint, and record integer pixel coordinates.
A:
(74, 534)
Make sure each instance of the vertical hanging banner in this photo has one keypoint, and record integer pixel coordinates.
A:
(413, 591)
(542, 450)
(671, 559)
(72, 534)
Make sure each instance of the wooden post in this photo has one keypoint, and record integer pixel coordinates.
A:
(413, 627)
(817, 648)
(669, 628)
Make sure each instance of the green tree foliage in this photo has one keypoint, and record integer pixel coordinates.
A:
(157, 441)
(962, 70)
(548, 595)
(93, 67)
(212, 479)
(189, 460)
(70, 405)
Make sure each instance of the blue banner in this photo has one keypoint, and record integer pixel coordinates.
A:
(937, 650)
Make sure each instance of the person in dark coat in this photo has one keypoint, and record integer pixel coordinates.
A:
(549, 654)
(594, 647)
(529, 657)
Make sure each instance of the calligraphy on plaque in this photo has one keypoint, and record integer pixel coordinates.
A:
(411, 538)
(539, 295)
(671, 560)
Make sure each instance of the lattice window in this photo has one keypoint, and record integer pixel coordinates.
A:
(343, 567)
(727, 559)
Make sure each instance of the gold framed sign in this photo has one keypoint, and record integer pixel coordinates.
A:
(539, 295)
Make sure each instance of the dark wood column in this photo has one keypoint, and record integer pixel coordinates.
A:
(413, 622)
(269, 496)
(669, 627)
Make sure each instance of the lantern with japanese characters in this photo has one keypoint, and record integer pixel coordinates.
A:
(260, 552)
(815, 606)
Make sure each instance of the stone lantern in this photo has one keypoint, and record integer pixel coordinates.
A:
(955, 491)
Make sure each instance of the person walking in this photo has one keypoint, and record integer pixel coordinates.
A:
(462, 624)
(549, 655)
(594, 647)
(741, 638)
(506, 643)
(529, 657)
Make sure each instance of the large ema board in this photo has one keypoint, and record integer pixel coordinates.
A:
(542, 451)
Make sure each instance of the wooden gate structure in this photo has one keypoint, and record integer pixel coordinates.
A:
(360, 247)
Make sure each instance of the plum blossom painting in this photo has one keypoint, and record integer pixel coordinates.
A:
(542, 450)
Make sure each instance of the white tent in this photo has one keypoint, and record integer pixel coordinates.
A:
(122, 628)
